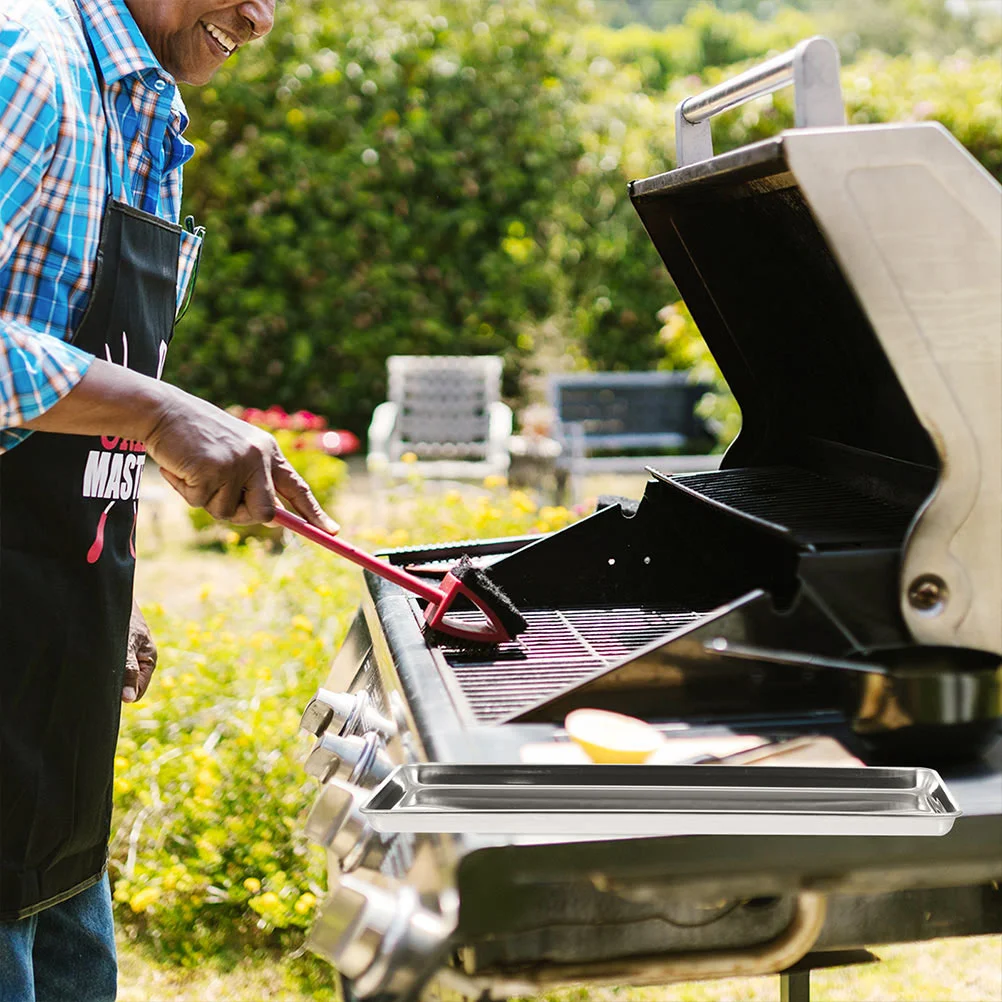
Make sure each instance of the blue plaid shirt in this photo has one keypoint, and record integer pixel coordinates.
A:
(54, 132)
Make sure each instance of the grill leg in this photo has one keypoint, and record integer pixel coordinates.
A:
(795, 986)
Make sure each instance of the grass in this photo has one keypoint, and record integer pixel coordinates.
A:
(178, 576)
(955, 970)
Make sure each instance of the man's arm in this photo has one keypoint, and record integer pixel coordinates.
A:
(212, 459)
(36, 369)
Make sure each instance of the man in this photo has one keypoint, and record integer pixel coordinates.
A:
(93, 268)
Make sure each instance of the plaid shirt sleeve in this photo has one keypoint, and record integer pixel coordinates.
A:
(36, 368)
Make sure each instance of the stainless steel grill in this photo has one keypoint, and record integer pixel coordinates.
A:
(560, 648)
(837, 581)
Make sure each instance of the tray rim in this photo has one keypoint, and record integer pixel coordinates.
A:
(382, 811)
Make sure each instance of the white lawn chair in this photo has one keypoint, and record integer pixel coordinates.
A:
(445, 410)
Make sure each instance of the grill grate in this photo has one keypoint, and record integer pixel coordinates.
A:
(815, 510)
(561, 648)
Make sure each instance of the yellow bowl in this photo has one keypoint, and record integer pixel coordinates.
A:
(612, 738)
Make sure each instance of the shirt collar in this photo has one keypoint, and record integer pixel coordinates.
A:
(118, 43)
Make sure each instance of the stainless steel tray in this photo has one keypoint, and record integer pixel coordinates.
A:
(649, 800)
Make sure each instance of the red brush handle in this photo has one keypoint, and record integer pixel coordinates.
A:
(354, 554)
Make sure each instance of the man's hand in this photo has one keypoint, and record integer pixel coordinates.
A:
(140, 658)
(213, 460)
(227, 466)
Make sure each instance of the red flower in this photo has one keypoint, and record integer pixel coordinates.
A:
(339, 443)
(311, 421)
(276, 417)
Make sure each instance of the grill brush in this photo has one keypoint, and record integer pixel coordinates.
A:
(502, 620)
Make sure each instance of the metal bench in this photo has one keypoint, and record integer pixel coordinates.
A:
(446, 411)
(620, 422)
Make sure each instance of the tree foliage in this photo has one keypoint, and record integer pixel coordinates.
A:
(374, 180)
(450, 177)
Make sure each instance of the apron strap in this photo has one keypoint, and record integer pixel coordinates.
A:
(111, 163)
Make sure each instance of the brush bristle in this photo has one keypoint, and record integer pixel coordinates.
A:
(484, 587)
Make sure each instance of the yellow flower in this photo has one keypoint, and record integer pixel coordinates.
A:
(305, 903)
(409, 457)
(522, 502)
(142, 900)
(205, 592)
(121, 763)
(252, 884)
(494, 480)
(122, 785)
(267, 902)
(302, 623)
(167, 681)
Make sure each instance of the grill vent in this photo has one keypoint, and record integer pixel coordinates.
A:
(560, 649)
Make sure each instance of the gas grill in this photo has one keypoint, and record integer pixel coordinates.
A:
(839, 576)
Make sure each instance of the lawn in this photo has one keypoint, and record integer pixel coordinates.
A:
(958, 970)
(213, 882)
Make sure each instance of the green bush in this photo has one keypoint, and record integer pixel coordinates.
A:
(374, 180)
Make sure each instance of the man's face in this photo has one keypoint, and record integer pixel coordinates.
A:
(193, 38)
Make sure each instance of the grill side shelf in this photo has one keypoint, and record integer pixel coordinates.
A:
(661, 800)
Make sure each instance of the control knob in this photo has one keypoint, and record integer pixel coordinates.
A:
(344, 713)
(336, 821)
(360, 761)
(383, 941)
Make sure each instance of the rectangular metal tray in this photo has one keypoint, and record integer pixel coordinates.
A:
(652, 800)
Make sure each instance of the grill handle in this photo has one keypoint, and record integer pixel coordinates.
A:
(813, 69)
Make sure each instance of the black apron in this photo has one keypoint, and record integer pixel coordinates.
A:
(68, 507)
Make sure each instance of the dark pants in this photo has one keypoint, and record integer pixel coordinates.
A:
(65, 953)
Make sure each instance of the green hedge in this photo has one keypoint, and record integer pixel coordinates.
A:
(450, 177)
(374, 180)
(620, 285)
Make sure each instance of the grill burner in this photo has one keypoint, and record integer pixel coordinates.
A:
(561, 648)
(813, 510)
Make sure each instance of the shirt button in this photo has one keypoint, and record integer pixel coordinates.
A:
(159, 85)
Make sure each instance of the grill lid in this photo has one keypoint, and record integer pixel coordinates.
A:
(781, 319)
(848, 281)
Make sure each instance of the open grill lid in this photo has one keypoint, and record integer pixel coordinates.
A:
(779, 315)
(848, 281)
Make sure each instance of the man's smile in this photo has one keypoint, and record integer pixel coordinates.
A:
(219, 39)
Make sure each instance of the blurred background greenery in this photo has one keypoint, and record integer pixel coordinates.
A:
(449, 177)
